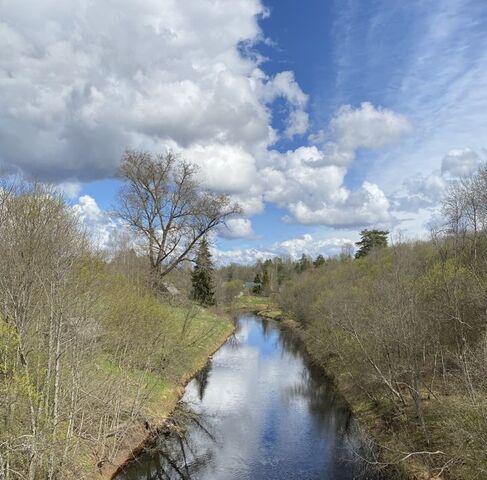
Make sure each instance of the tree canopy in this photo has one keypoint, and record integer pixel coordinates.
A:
(165, 205)
(370, 239)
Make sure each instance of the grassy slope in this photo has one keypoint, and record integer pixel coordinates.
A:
(207, 333)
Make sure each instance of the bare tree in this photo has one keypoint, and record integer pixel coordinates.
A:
(165, 206)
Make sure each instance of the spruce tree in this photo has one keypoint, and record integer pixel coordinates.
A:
(369, 240)
(202, 276)
(257, 285)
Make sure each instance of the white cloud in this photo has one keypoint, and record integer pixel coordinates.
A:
(69, 189)
(367, 205)
(310, 245)
(293, 247)
(310, 181)
(426, 191)
(246, 256)
(438, 81)
(421, 191)
(237, 228)
(460, 162)
(367, 127)
(83, 81)
(98, 224)
(225, 168)
(298, 123)
(284, 85)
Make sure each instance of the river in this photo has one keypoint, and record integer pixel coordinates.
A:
(259, 411)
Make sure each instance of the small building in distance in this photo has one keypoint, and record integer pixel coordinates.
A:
(250, 286)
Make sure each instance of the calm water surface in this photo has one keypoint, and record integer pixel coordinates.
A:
(263, 413)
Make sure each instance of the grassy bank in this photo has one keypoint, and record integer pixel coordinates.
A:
(89, 380)
(161, 391)
(403, 452)
(262, 306)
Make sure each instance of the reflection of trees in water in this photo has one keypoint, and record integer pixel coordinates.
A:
(330, 411)
(325, 404)
(233, 341)
(186, 448)
(201, 379)
(323, 399)
(265, 327)
(290, 342)
(172, 456)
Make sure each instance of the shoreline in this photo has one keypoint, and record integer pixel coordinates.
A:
(367, 418)
(144, 432)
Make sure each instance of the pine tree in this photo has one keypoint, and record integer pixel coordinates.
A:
(370, 239)
(202, 276)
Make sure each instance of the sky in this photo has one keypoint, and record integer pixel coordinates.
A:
(319, 117)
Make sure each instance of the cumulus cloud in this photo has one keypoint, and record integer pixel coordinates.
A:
(246, 256)
(101, 228)
(84, 80)
(460, 162)
(367, 127)
(237, 228)
(426, 191)
(421, 191)
(69, 189)
(310, 181)
(309, 245)
(284, 85)
(364, 206)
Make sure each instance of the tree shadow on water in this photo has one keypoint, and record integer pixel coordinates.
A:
(173, 455)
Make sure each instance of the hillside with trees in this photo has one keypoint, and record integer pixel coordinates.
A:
(92, 347)
(403, 330)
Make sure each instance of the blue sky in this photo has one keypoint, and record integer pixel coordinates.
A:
(319, 117)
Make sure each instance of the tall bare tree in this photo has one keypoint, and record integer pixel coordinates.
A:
(164, 204)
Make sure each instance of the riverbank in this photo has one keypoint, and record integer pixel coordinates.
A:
(371, 417)
(404, 453)
(263, 306)
(162, 394)
(294, 421)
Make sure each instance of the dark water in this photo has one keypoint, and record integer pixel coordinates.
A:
(263, 413)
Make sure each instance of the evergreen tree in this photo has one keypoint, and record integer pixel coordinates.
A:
(369, 240)
(303, 264)
(320, 260)
(202, 276)
(257, 285)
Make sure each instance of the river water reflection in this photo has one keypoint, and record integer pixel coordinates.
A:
(263, 413)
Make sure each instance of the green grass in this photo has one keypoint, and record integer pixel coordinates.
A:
(263, 306)
(273, 314)
(190, 335)
(206, 331)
